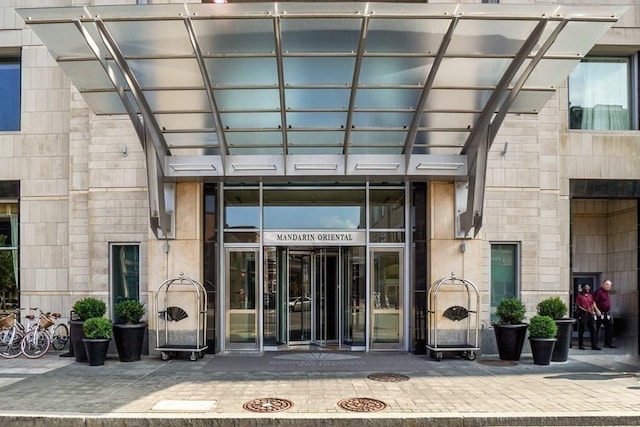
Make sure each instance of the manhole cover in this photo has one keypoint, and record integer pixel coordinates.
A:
(497, 362)
(388, 378)
(268, 404)
(362, 404)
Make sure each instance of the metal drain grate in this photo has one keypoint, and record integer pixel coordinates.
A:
(268, 404)
(362, 404)
(386, 377)
(497, 362)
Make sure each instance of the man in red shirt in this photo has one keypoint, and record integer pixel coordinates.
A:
(587, 313)
(603, 303)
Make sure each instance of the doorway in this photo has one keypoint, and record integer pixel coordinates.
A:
(313, 297)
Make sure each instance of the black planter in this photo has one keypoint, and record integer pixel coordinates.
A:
(542, 349)
(563, 340)
(75, 335)
(510, 339)
(129, 339)
(96, 350)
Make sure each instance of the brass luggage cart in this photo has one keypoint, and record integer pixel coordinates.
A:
(452, 307)
(181, 304)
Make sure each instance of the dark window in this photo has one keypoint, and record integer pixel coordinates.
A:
(9, 93)
(125, 272)
(504, 274)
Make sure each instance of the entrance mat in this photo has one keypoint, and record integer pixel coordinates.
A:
(305, 357)
(387, 377)
(495, 362)
(268, 404)
(362, 404)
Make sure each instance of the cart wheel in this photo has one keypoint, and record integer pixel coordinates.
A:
(193, 356)
(439, 356)
(472, 355)
(201, 354)
(165, 356)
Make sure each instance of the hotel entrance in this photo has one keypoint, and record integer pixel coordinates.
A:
(315, 297)
(315, 267)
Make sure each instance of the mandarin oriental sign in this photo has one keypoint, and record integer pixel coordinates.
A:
(327, 238)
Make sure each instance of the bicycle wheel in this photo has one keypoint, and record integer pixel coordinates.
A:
(35, 344)
(10, 343)
(60, 336)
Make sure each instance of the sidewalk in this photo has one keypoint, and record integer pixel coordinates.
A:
(592, 388)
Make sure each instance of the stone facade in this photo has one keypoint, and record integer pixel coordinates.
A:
(83, 186)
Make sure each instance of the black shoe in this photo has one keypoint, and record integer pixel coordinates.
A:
(582, 348)
(596, 348)
(610, 346)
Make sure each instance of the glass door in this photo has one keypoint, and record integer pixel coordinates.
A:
(320, 300)
(386, 298)
(354, 297)
(300, 304)
(241, 309)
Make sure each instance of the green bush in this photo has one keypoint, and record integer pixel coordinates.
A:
(553, 307)
(87, 308)
(130, 311)
(542, 327)
(510, 311)
(97, 328)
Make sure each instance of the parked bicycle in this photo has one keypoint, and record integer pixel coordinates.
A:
(11, 334)
(36, 342)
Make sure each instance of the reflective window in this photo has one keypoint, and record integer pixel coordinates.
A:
(9, 94)
(242, 209)
(314, 209)
(386, 208)
(504, 274)
(599, 94)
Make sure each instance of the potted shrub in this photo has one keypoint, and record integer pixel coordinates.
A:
(510, 330)
(542, 333)
(129, 330)
(83, 309)
(97, 335)
(555, 308)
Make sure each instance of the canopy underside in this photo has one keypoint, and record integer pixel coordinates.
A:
(348, 90)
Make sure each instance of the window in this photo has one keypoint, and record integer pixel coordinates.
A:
(9, 93)
(600, 94)
(125, 272)
(504, 274)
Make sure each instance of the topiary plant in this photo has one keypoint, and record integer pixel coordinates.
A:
(87, 308)
(130, 311)
(97, 328)
(553, 307)
(510, 311)
(542, 327)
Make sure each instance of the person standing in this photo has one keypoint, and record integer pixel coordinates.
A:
(587, 313)
(603, 303)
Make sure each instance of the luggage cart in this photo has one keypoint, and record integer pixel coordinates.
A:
(176, 300)
(462, 305)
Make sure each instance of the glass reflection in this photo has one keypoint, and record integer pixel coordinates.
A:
(318, 209)
(241, 209)
(386, 208)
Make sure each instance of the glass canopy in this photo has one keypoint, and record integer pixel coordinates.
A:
(393, 90)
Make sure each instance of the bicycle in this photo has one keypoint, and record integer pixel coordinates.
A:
(37, 341)
(11, 334)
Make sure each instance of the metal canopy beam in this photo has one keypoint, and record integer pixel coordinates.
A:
(477, 146)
